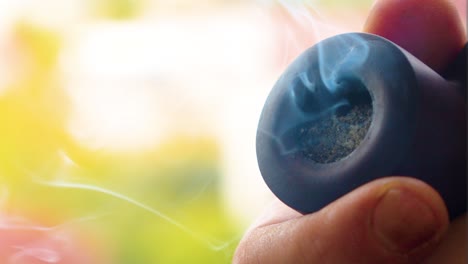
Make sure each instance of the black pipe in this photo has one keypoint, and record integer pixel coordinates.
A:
(356, 107)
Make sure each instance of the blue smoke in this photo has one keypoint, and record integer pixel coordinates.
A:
(322, 82)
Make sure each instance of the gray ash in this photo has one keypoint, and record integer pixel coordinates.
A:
(335, 136)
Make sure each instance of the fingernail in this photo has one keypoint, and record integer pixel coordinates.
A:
(403, 222)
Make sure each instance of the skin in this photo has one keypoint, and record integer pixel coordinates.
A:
(389, 220)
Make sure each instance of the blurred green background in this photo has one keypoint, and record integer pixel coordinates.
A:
(127, 127)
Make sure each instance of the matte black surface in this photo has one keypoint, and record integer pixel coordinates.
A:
(418, 123)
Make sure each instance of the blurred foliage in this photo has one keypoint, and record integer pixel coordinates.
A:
(40, 44)
(118, 9)
(179, 179)
(33, 109)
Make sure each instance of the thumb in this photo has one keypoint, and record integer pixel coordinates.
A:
(391, 220)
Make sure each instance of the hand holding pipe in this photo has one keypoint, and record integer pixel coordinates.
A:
(357, 107)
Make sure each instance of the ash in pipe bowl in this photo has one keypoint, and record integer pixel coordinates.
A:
(335, 135)
(356, 107)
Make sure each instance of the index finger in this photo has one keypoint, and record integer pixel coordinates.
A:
(431, 30)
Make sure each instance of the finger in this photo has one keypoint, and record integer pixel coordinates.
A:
(392, 220)
(454, 244)
(432, 31)
(276, 212)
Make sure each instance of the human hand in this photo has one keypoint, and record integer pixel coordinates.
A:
(390, 220)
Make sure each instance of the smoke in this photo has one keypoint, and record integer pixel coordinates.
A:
(42, 254)
(299, 25)
(322, 84)
(64, 181)
(93, 188)
(25, 241)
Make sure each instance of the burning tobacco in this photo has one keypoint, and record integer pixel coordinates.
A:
(340, 134)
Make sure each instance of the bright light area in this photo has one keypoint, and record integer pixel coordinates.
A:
(113, 117)
(133, 83)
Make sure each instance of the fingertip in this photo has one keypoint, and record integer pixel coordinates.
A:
(355, 228)
(392, 220)
(425, 192)
(409, 219)
(432, 31)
